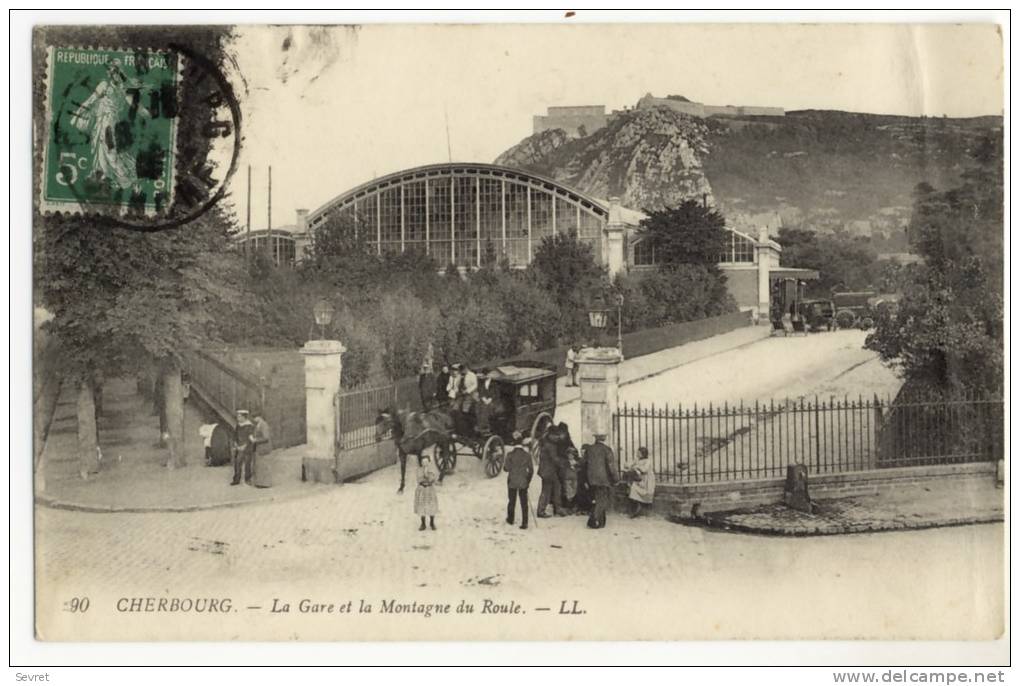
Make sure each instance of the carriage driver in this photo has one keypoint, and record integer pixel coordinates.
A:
(486, 395)
(468, 394)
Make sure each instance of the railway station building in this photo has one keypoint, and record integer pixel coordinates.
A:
(469, 215)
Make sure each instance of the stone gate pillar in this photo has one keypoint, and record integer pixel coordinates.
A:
(616, 249)
(768, 257)
(599, 372)
(322, 381)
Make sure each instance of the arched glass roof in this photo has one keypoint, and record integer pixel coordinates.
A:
(467, 214)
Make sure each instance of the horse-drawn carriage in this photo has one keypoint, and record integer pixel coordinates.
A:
(523, 398)
(519, 396)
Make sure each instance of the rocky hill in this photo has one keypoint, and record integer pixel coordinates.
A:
(647, 158)
(822, 170)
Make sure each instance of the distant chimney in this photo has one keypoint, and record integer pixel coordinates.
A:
(302, 221)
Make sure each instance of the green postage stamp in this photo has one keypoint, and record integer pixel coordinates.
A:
(111, 131)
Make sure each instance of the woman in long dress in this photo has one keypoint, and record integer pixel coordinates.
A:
(426, 502)
(262, 469)
(642, 491)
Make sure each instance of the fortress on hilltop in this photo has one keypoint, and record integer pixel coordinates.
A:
(583, 120)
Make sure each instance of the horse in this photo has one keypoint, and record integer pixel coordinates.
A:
(413, 432)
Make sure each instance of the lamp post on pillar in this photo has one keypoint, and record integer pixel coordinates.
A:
(323, 312)
(597, 316)
(598, 369)
(323, 366)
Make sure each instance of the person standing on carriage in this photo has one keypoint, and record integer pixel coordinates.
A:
(442, 385)
(467, 396)
(468, 389)
(453, 387)
(426, 387)
(486, 396)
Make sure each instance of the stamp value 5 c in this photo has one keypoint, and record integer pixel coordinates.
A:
(110, 144)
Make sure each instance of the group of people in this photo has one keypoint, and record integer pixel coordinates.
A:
(575, 482)
(251, 435)
(582, 482)
(572, 482)
(468, 395)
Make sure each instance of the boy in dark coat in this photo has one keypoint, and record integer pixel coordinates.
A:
(519, 473)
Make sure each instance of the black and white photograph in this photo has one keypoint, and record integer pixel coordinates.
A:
(498, 331)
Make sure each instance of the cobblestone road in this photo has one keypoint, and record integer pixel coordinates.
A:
(643, 578)
(640, 579)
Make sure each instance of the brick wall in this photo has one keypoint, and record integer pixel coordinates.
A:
(742, 283)
(646, 341)
(284, 376)
(677, 500)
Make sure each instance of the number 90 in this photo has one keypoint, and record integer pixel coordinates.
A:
(78, 604)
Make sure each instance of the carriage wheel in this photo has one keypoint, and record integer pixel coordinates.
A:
(541, 424)
(446, 456)
(538, 428)
(492, 456)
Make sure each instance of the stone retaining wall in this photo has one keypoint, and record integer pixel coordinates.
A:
(677, 500)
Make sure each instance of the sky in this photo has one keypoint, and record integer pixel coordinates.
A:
(333, 107)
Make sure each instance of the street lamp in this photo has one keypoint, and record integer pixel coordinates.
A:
(323, 312)
(597, 315)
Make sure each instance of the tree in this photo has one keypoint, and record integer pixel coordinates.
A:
(843, 262)
(404, 326)
(687, 234)
(946, 334)
(565, 268)
(123, 300)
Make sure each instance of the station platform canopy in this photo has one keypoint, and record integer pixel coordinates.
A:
(793, 273)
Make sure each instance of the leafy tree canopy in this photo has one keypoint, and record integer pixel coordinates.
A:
(687, 234)
(947, 332)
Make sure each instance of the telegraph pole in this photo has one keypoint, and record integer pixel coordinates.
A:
(247, 222)
(269, 219)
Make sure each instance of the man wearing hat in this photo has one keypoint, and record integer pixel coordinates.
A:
(519, 469)
(601, 478)
(486, 396)
(244, 448)
(468, 389)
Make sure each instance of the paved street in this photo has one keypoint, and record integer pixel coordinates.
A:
(644, 578)
(826, 364)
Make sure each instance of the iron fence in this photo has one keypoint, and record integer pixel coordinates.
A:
(758, 440)
(356, 412)
(223, 388)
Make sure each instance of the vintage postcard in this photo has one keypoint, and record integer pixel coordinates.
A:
(515, 332)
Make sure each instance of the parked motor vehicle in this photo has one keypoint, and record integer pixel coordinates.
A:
(819, 315)
(853, 309)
